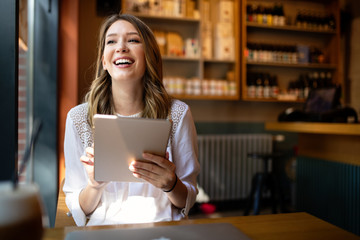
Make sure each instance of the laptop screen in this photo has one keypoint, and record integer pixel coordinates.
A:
(209, 231)
(321, 100)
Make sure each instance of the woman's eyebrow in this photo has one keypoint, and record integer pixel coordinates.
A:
(115, 34)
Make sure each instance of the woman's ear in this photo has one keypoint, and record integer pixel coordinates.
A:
(103, 63)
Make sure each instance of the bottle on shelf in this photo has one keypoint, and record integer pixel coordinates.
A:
(259, 92)
(299, 19)
(331, 21)
(267, 88)
(269, 16)
(254, 13)
(250, 85)
(315, 80)
(252, 90)
(314, 20)
(301, 85)
(260, 12)
(276, 53)
(328, 80)
(279, 16)
(322, 80)
(249, 13)
(274, 86)
(306, 90)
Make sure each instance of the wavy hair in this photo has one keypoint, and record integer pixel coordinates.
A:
(157, 102)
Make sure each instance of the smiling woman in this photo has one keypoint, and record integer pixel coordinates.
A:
(128, 83)
(124, 57)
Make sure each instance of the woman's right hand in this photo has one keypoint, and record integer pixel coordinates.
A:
(88, 162)
(89, 197)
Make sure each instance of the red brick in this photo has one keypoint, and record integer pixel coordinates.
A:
(22, 125)
(22, 93)
(22, 61)
(22, 104)
(22, 72)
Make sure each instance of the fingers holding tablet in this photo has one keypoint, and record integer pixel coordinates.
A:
(157, 170)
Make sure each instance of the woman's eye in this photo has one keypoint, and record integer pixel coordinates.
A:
(110, 41)
(134, 40)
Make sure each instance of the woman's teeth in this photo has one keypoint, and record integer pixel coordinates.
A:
(123, 61)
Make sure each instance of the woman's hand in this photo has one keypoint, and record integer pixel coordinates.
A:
(89, 197)
(160, 172)
(88, 162)
(157, 170)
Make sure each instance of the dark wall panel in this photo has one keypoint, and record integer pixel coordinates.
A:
(8, 87)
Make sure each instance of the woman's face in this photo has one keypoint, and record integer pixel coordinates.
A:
(124, 56)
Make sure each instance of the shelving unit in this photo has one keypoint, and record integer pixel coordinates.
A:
(210, 77)
(328, 40)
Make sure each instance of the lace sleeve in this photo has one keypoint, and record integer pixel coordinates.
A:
(76, 140)
(185, 151)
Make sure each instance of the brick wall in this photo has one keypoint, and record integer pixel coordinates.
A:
(22, 107)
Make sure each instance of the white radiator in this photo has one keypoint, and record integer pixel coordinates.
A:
(226, 170)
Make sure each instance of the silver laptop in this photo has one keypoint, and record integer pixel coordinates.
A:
(209, 231)
(118, 141)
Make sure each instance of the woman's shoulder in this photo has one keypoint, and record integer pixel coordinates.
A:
(178, 106)
(178, 111)
(78, 116)
(78, 112)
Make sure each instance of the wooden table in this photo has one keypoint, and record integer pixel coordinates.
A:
(278, 226)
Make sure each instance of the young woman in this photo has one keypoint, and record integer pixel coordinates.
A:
(128, 83)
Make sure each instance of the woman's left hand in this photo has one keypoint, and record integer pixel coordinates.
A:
(157, 170)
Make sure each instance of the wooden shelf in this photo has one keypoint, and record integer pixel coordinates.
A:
(289, 28)
(327, 41)
(204, 97)
(295, 65)
(165, 17)
(272, 100)
(199, 68)
(219, 61)
(184, 59)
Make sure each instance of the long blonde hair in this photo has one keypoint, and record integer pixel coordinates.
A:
(157, 102)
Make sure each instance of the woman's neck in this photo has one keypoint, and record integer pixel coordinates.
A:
(128, 101)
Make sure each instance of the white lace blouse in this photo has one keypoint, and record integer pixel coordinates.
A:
(123, 202)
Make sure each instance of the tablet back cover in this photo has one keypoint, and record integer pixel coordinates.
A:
(118, 141)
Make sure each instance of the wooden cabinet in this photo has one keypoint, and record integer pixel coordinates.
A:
(310, 29)
(199, 40)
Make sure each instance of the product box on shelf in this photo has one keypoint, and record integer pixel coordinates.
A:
(225, 48)
(223, 30)
(303, 53)
(175, 44)
(161, 41)
(226, 11)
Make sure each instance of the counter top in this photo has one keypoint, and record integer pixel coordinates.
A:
(315, 127)
(337, 142)
(263, 227)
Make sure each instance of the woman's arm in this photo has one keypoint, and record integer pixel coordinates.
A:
(76, 186)
(160, 172)
(90, 196)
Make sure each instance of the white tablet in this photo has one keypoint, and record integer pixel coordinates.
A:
(118, 141)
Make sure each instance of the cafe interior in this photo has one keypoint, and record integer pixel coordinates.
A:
(272, 87)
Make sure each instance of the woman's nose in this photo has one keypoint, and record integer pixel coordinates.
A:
(122, 47)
